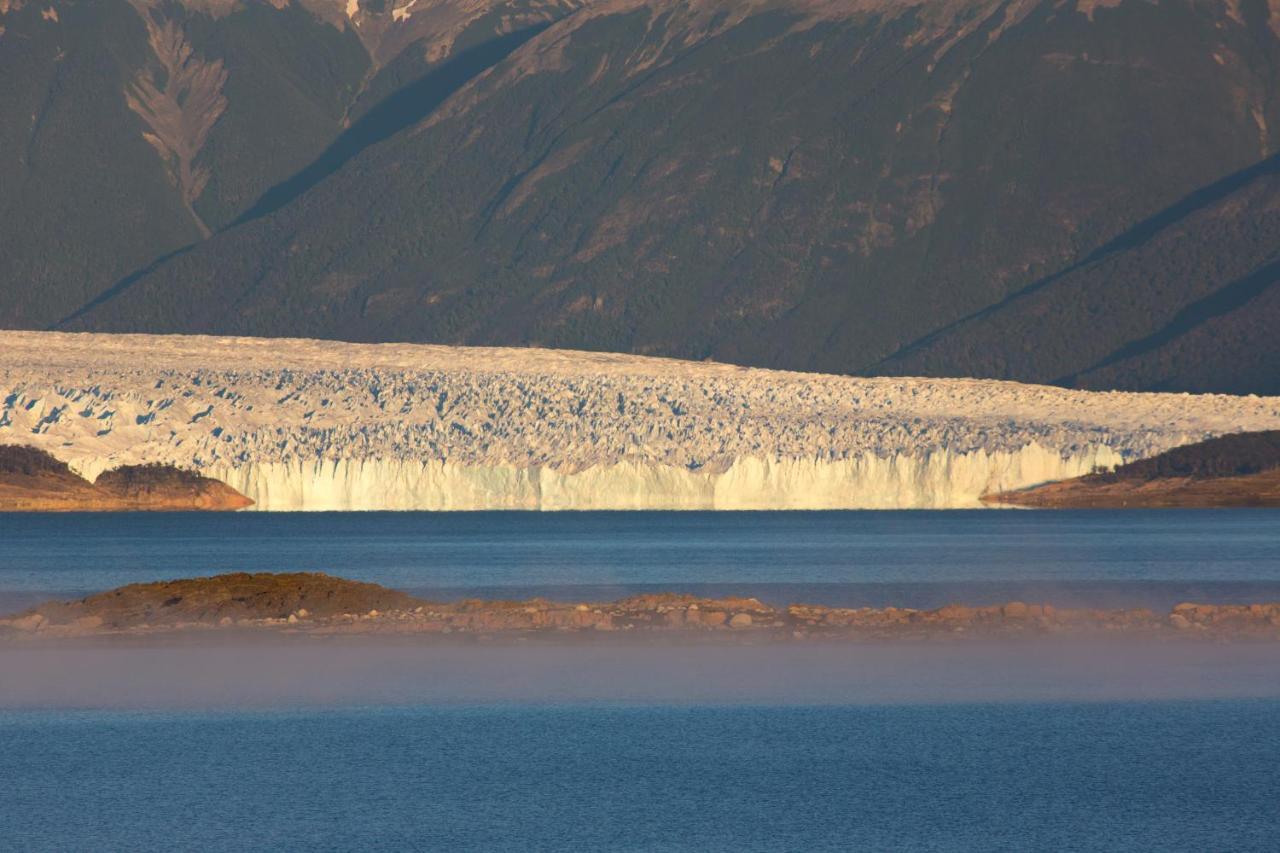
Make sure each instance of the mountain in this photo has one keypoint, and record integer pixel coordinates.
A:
(1183, 301)
(130, 129)
(1043, 190)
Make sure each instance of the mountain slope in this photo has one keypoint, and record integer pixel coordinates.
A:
(76, 173)
(133, 128)
(1183, 301)
(797, 184)
(1059, 191)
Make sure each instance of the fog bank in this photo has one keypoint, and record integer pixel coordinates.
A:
(353, 672)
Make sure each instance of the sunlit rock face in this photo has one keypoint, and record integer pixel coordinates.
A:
(312, 425)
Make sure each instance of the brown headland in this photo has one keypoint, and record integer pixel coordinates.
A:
(32, 480)
(1238, 470)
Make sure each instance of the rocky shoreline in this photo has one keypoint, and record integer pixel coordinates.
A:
(1255, 490)
(321, 605)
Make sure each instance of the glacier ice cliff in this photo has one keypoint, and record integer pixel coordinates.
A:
(933, 478)
(315, 425)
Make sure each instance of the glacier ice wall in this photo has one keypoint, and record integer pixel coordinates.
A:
(316, 425)
(934, 479)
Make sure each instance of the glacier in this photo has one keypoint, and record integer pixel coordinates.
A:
(318, 425)
(932, 479)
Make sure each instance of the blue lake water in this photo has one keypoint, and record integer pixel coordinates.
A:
(912, 558)
(1129, 776)
(401, 746)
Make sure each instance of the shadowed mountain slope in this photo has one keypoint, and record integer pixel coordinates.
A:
(130, 129)
(1184, 301)
(1043, 190)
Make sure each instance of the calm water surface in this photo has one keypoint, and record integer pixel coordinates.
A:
(913, 558)
(1166, 776)
(405, 747)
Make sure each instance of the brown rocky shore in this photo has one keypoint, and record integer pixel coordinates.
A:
(319, 604)
(1256, 490)
(32, 480)
(1238, 470)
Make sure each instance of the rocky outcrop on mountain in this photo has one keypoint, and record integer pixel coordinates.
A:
(1242, 469)
(323, 605)
(320, 425)
(32, 480)
(180, 102)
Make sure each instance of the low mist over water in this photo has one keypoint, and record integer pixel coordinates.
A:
(234, 739)
(265, 672)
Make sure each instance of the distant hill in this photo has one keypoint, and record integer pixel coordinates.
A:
(1082, 193)
(32, 480)
(1241, 469)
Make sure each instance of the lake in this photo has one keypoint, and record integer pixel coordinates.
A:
(911, 558)
(393, 745)
(1130, 776)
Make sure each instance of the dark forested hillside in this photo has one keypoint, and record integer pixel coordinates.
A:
(1185, 300)
(1044, 190)
(133, 128)
(1235, 455)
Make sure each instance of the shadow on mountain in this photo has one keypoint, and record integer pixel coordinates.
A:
(119, 287)
(1130, 239)
(1222, 301)
(406, 107)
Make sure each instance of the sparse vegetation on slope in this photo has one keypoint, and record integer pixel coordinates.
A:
(33, 480)
(1240, 469)
(1232, 455)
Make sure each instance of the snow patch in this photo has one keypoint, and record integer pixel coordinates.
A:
(404, 12)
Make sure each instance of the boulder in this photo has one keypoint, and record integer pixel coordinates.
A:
(1015, 610)
(30, 622)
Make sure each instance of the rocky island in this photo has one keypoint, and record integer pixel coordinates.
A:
(32, 480)
(1238, 470)
(321, 605)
